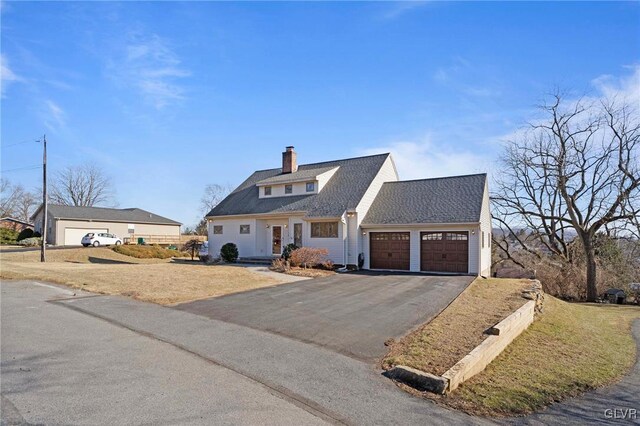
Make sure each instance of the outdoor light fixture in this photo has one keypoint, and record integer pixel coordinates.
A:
(268, 226)
(473, 232)
(364, 233)
(351, 214)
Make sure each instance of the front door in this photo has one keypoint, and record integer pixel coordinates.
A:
(276, 240)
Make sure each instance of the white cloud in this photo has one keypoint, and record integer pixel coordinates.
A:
(54, 115)
(457, 72)
(7, 76)
(148, 64)
(401, 7)
(424, 159)
(626, 87)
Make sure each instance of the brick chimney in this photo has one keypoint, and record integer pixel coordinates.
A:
(289, 163)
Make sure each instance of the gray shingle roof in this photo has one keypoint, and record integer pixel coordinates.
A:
(299, 176)
(130, 215)
(343, 191)
(456, 199)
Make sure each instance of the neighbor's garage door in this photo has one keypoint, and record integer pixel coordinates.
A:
(389, 250)
(73, 236)
(444, 251)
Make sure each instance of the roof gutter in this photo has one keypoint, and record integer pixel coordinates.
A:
(414, 225)
(256, 215)
(117, 221)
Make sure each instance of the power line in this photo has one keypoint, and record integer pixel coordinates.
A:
(33, 167)
(17, 143)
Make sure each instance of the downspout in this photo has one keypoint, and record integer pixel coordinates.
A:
(345, 244)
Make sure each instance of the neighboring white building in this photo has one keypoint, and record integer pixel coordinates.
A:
(68, 224)
(359, 210)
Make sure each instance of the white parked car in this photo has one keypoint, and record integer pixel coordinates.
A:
(203, 252)
(96, 240)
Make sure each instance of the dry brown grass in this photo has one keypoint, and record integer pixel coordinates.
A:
(309, 272)
(438, 345)
(101, 270)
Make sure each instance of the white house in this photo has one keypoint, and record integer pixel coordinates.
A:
(362, 213)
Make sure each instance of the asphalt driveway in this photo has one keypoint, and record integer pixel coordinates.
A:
(353, 314)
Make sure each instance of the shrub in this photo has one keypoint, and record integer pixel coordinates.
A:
(229, 253)
(25, 233)
(30, 242)
(280, 265)
(36, 234)
(147, 252)
(191, 247)
(8, 236)
(309, 257)
(286, 252)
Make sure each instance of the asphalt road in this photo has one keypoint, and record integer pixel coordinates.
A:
(114, 360)
(353, 314)
(60, 366)
(91, 359)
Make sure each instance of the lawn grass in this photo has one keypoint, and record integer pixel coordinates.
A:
(569, 349)
(438, 345)
(148, 251)
(101, 270)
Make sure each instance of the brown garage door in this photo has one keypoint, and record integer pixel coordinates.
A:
(389, 250)
(444, 251)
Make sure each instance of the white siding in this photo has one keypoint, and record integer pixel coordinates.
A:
(486, 228)
(414, 243)
(387, 173)
(231, 234)
(353, 233)
(299, 188)
(334, 245)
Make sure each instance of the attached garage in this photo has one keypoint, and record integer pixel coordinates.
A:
(444, 251)
(73, 236)
(390, 250)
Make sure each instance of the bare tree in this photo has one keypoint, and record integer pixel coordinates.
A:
(85, 185)
(10, 196)
(573, 174)
(213, 195)
(27, 205)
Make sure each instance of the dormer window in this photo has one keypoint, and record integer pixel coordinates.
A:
(267, 190)
(288, 189)
(311, 186)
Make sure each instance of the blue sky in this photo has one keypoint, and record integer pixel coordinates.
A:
(169, 97)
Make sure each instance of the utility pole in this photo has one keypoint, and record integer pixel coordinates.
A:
(43, 248)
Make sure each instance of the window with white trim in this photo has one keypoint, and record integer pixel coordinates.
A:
(217, 229)
(324, 229)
